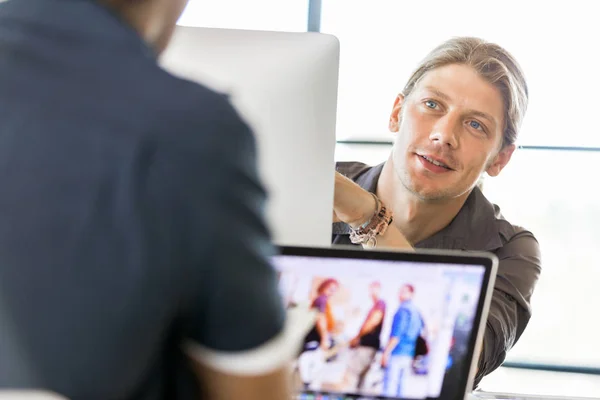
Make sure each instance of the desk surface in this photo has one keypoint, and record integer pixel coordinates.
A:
(539, 384)
(516, 396)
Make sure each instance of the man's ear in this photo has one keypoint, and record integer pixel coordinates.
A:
(394, 124)
(500, 161)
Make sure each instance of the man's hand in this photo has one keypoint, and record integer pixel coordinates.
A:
(384, 360)
(217, 385)
(352, 204)
(355, 342)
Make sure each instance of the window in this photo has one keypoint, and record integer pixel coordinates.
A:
(276, 15)
(551, 192)
(555, 43)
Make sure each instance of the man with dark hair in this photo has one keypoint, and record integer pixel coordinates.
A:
(367, 341)
(399, 352)
(126, 270)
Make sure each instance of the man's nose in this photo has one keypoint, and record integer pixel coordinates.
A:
(446, 130)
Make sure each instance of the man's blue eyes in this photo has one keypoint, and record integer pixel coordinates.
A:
(475, 125)
(431, 104)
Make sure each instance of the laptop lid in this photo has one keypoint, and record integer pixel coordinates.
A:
(391, 325)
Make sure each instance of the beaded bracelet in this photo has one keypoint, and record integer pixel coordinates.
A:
(377, 225)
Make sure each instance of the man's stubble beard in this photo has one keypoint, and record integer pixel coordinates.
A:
(403, 177)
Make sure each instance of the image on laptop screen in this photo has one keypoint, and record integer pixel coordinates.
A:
(385, 329)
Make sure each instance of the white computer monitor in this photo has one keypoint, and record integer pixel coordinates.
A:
(285, 86)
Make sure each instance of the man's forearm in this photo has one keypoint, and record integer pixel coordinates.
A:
(391, 345)
(366, 329)
(506, 320)
(489, 360)
(371, 323)
(493, 351)
(322, 329)
(355, 206)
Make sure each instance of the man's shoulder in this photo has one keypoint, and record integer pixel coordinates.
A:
(194, 100)
(403, 312)
(187, 113)
(320, 302)
(404, 308)
(492, 230)
(517, 241)
(507, 230)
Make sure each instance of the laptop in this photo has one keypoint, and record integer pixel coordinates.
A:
(390, 325)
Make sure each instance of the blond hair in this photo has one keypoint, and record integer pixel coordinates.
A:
(492, 63)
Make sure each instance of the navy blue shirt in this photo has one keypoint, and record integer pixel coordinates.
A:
(131, 214)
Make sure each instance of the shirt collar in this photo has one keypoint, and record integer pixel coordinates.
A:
(478, 226)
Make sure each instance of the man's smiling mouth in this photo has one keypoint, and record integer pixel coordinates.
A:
(434, 162)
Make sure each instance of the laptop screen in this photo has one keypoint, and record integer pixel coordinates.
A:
(385, 329)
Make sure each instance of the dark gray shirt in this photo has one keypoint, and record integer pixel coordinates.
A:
(479, 226)
(131, 214)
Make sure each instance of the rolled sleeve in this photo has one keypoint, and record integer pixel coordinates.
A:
(510, 310)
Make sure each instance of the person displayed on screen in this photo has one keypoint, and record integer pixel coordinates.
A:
(367, 342)
(320, 335)
(457, 356)
(319, 346)
(398, 355)
(457, 118)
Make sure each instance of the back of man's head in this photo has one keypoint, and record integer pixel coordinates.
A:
(154, 20)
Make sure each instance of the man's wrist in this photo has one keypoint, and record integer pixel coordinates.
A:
(366, 234)
(369, 210)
